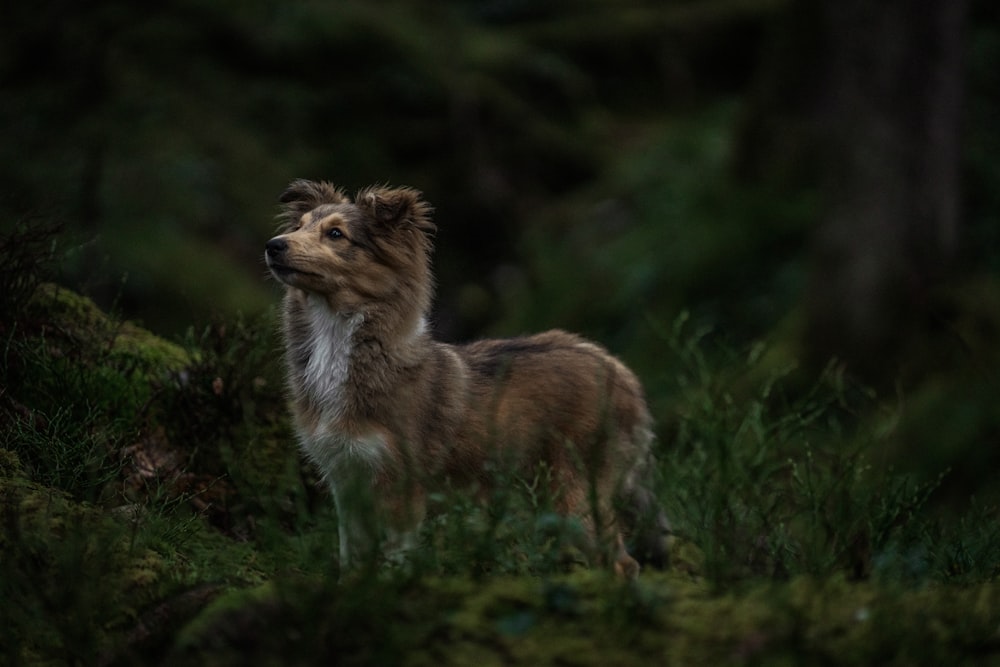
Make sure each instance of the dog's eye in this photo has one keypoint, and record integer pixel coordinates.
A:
(335, 233)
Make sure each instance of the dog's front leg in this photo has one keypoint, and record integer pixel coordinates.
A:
(357, 524)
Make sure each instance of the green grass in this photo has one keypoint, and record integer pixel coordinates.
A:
(798, 541)
(771, 483)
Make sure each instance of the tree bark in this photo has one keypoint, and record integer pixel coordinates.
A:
(890, 226)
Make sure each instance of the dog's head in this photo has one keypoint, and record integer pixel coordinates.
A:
(354, 253)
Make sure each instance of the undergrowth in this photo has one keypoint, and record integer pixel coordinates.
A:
(155, 509)
(771, 482)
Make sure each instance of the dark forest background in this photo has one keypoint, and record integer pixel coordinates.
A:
(811, 180)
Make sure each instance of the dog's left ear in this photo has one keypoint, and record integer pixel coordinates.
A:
(393, 207)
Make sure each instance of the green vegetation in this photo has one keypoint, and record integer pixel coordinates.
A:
(156, 512)
(654, 175)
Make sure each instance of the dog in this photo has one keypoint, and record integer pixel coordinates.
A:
(390, 415)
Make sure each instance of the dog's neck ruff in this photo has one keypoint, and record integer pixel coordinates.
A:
(323, 383)
(330, 344)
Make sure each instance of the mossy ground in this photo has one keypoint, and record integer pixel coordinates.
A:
(155, 511)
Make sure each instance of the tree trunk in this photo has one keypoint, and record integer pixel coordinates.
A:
(891, 220)
(862, 99)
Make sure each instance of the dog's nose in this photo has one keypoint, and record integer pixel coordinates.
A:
(276, 246)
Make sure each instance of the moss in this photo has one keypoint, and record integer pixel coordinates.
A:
(590, 618)
(220, 610)
(69, 363)
(81, 581)
(10, 463)
(71, 577)
(77, 318)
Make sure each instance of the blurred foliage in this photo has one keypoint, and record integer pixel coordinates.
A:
(802, 481)
(163, 135)
(587, 164)
(668, 229)
(205, 546)
(593, 141)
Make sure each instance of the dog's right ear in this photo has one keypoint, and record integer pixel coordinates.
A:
(302, 196)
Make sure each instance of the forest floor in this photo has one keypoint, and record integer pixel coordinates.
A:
(156, 512)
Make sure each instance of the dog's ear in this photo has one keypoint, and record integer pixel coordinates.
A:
(393, 207)
(302, 196)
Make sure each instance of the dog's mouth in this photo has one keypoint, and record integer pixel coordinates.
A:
(281, 269)
(284, 270)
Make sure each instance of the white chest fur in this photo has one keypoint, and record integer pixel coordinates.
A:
(325, 383)
(329, 345)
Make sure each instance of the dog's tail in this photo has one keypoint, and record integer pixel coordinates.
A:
(647, 529)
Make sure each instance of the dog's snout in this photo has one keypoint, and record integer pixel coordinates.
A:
(276, 246)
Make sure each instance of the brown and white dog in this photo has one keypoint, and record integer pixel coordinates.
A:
(388, 414)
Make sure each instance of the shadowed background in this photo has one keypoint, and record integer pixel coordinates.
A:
(820, 176)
